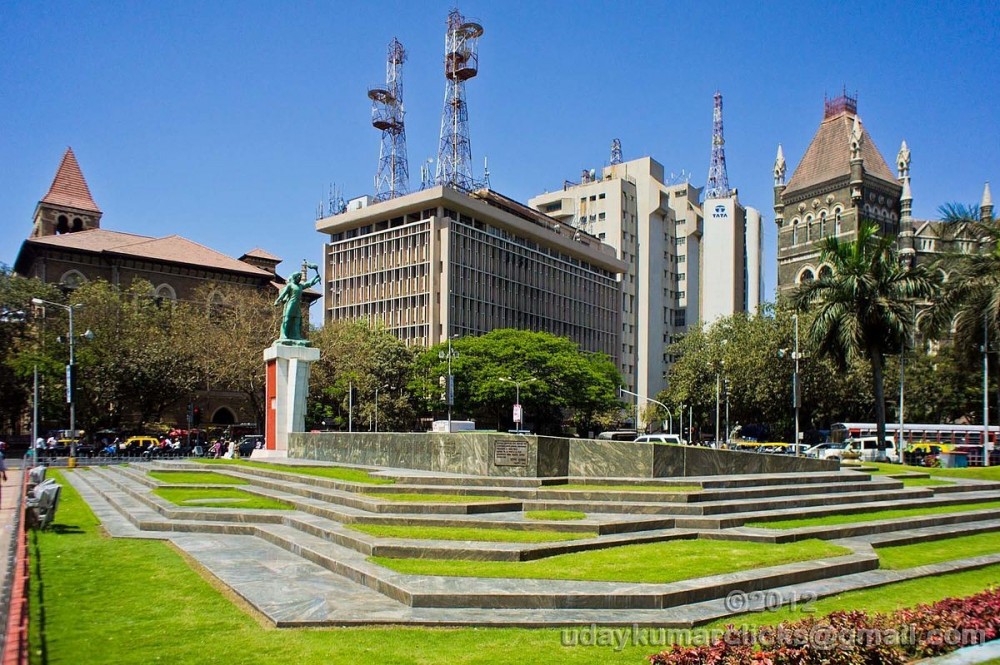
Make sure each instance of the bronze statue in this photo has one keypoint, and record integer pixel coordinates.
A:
(291, 295)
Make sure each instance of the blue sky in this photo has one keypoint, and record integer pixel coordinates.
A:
(226, 122)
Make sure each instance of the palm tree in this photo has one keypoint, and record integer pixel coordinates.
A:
(970, 299)
(865, 308)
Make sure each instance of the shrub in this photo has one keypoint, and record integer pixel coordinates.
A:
(852, 638)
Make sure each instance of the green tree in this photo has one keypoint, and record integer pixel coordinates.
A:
(865, 308)
(372, 360)
(559, 382)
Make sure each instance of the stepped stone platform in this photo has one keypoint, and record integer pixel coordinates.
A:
(307, 566)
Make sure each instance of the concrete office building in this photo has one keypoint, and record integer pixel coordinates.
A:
(731, 246)
(441, 262)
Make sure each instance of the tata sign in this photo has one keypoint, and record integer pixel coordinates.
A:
(720, 212)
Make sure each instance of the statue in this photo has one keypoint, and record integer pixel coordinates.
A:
(291, 295)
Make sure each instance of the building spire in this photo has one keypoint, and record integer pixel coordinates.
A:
(69, 188)
(717, 186)
(779, 168)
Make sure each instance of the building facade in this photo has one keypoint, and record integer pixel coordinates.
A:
(442, 262)
(682, 267)
(841, 181)
(68, 247)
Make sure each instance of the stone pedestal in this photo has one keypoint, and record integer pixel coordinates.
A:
(285, 396)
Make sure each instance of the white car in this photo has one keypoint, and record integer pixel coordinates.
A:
(826, 450)
(661, 438)
(866, 449)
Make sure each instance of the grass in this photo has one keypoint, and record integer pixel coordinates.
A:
(625, 488)
(195, 478)
(208, 498)
(924, 482)
(84, 618)
(467, 533)
(652, 562)
(831, 520)
(554, 515)
(936, 551)
(436, 498)
(333, 472)
(976, 473)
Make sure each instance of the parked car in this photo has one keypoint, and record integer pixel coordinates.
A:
(661, 438)
(826, 450)
(249, 443)
(866, 449)
(618, 435)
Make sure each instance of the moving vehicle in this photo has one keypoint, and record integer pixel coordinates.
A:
(826, 450)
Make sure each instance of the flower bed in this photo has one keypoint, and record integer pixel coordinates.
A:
(852, 638)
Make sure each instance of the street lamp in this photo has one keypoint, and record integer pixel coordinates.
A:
(622, 391)
(518, 416)
(70, 371)
(450, 388)
(795, 380)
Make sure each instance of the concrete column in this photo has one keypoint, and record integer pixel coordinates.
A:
(285, 396)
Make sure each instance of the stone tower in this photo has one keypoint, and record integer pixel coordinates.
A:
(68, 207)
(986, 205)
(841, 180)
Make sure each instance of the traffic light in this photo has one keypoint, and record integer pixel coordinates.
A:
(196, 416)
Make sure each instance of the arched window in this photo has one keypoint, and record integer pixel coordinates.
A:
(825, 271)
(795, 232)
(72, 279)
(223, 416)
(77, 224)
(806, 276)
(62, 224)
(808, 220)
(822, 224)
(165, 292)
(837, 218)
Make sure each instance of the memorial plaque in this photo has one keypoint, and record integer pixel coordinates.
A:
(510, 452)
(450, 449)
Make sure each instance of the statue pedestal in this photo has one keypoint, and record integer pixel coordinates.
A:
(285, 396)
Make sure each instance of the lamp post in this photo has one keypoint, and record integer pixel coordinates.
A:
(796, 401)
(518, 414)
(622, 391)
(450, 387)
(70, 372)
(986, 396)
(681, 428)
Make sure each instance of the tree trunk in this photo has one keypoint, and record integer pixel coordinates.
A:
(878, 386)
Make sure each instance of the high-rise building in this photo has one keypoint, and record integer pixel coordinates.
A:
(682, 268)
(442, 261)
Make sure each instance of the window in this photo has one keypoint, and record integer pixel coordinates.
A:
(682, 258)
(681, 294)
(681, 275)
(795, 232)
(836, 222)
(808, 222)
(822, 224)
(681, 241)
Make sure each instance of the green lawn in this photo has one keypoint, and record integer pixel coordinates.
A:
(977, 473)
(652, 562)
(924, 482)
(935, 551)
(222, 497)
(465, 533)
(872, 516)
(554, 515)
(111, 617)
(334, 472)
(624, 488)
(436, 498)
(195, 478)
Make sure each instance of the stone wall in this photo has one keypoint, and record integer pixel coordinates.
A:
(496, 454)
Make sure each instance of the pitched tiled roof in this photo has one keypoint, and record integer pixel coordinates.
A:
(829, 155)
(258, 253)
(172, 249)
(69, 188)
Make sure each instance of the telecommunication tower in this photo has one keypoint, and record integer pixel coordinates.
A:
(616, 151)
(461, 63)
(393, 175)
(717, 186)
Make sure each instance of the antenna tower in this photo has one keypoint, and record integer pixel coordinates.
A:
(616, 151)
(393, 177)
(718, 182)
(461, 63)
